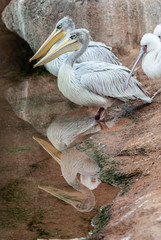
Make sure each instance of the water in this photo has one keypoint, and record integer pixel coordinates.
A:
(26, 211)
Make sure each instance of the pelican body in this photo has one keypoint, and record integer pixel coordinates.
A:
(151, 53)
(96, 51)
(92, 83)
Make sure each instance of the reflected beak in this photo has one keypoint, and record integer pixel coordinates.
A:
(73, 199)
(126, 84)
(68, 45)
(55, 36)
(49, 148)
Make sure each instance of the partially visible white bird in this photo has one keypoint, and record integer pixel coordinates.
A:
(151, 63)
(96, 51)
(92, 83)
(157, 31)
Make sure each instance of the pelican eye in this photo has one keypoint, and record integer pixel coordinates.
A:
(59, 26)
(73, 36)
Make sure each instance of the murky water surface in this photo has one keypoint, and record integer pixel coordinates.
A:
(26, 211)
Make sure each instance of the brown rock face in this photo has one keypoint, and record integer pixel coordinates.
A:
(13, 50)
(119, 24)
(6, 39)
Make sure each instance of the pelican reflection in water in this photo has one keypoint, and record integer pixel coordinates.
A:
(92, 83)
(79, 170)
(96, 51)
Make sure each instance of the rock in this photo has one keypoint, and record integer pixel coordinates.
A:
(38, 101)
(7, 39)
(14, 50)
(119, 24)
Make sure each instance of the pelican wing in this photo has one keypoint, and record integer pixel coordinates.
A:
(98, 51)
(107, 80)
(99, 44)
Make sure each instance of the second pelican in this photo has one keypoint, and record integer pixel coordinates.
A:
(96, 51)
(151, 53)
(92, 83)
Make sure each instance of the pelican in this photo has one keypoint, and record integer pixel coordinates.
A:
(157, 31)
(79, 170)
(92, 83)
(151, 63)
(73, 163)
(96, 51)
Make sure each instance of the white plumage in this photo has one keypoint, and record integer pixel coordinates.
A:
(157, 31)
(151, 53)
(92, 83)
(151, 63)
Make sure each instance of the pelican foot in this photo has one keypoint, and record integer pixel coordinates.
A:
(76, 199)
(132, 109)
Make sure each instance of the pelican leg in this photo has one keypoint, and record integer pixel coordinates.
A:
(103, 119)
(98, 114)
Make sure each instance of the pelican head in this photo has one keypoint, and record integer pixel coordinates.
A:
(81, 35)
(157, 31)
(77, 38)
(149, 43)
(63, 26)
(66, 23)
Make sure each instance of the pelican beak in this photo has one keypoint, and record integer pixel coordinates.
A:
(50, 41)
(49, 148)
(73, 199)
(142, 51)
(68, 45)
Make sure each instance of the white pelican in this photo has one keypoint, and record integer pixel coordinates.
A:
(157, 31)
(96, 51)
(151, 63)
(92, 83)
